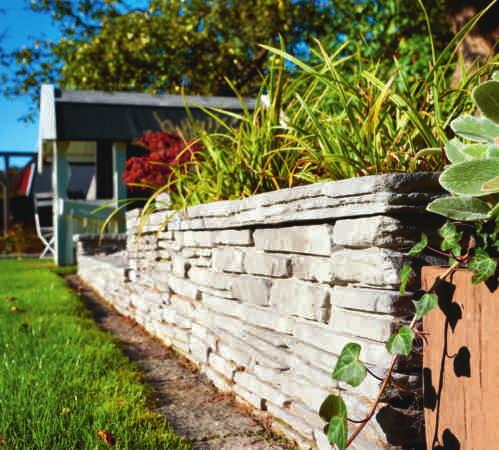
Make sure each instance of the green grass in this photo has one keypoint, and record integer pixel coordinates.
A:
(61, 378)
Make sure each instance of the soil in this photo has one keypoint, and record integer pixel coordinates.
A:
(209, 419)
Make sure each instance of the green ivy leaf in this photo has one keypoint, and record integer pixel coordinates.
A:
(420, 246)
(449, 232)
(337, 432)
(348, 368)
(405, 276)
(425, 304)
(451, 238)
(401, 342)
(332, 406)
(482, 266)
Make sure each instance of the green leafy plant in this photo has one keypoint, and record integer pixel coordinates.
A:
(471, 239)
(341, 118)
(473, 174)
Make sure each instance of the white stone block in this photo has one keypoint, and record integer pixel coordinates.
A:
(377, 231)
(305, 413)
(372, 266)
(234, 353)
(217, 379)
(184, 305)
(249, 397)
(251, 289)
(321, 439)
(165, 236)
(313, 268)
(301, 369)
(183, 287)
(270, 375)
(199, 261)
(199, 350)
(195, 252)
(222, 305)
(226, 368)
(308, 239)
(371, 300)
(261, 263)
(267, 354)
(234, 237)
(290, 419)
(204, 335)
(299, 298)
(378, 327)
(283, 341)
(264, 390)
(210, 278)
(317, 357)
(197, 238)
(180, 266)
(227, 259)
(266, 318)
(323, 337)
(163, 267)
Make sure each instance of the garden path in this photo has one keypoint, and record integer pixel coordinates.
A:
(189, 401)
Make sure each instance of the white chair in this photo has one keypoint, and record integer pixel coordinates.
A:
(45, 231)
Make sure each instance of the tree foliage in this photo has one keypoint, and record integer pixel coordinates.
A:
(160, 45)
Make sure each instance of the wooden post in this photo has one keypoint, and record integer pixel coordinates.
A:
(119, 188)
(62, 223)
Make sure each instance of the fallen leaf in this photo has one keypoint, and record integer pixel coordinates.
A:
(2, 441)
(106, 436)
(14, 309)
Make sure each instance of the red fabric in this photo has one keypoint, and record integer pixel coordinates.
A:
(25, 180)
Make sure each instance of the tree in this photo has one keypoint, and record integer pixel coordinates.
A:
(161, 45)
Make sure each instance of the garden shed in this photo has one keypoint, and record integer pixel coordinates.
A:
(96, 128)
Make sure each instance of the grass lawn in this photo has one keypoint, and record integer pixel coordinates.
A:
(64, 384)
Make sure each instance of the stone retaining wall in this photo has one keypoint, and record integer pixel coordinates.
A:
(263, 293)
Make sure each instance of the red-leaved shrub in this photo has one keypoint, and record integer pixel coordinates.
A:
(154, 169)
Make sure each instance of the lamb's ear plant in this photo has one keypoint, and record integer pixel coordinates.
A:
(470, 238)
(472, 177)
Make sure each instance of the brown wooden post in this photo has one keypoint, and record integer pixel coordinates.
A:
(461, 363)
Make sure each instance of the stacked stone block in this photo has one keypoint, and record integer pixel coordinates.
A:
(263, 293)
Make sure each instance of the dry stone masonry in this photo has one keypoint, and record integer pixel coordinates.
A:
(263, 293)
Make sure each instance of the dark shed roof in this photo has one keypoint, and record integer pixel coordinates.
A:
(118, 116)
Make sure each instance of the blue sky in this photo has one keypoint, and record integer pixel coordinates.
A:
(19, 23)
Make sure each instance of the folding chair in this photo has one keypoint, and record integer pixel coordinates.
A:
(43, 221)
